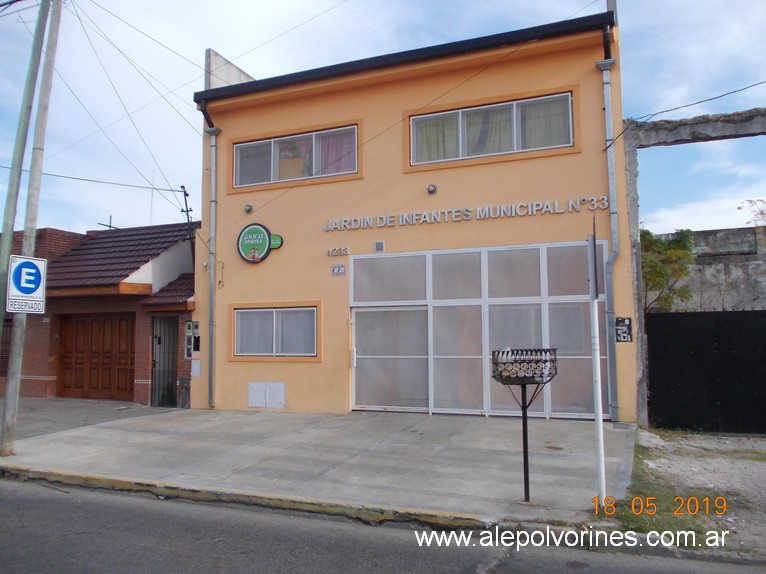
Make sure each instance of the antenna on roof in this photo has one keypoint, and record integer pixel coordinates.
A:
(109, 225)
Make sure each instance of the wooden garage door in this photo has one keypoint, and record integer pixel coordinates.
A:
(97, 357)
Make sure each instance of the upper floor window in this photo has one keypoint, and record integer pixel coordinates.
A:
(511, 127)
(315, 154)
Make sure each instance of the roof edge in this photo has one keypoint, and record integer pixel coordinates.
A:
(545, 31)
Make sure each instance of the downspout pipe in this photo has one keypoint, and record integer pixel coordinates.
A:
(213, 132)
(605, 66)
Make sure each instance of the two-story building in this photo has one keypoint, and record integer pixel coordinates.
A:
(374, 229)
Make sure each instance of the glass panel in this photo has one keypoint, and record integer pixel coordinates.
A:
(457, 331)
(515, 326)
(514, 273)
(572, 388)
(457, 276)
(252, 163)
(336, 152)
(294, 157)
(391, 382)
(254, 332)
(295, 332)
(570, 329)
(435, 138)
(390, 279)
(391, 333)
(544, 122)
(568, 270)
(488, 130)
(458, 384)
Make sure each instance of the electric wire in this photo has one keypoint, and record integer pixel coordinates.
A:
(168, 48)
(421, 108)
(645, 118)
(111, 141)
(143, 73)
(648, 117)
(101, 181)
(117, 94)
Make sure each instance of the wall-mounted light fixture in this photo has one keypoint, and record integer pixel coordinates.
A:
(432, 188)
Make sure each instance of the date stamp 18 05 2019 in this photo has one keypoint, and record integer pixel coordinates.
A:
(647, 505)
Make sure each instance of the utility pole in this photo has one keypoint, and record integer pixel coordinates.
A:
(8, 430)
(187, 210)
(22, 131)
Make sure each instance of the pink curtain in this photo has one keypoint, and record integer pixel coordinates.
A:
(337, 152)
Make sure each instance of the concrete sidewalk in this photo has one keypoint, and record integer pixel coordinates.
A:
(442, 470)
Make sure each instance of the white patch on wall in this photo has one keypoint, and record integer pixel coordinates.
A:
(265, 395)
(195, 368)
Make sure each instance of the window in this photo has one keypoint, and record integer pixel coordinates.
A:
(511, 127)
(282, 332)
(316, 154)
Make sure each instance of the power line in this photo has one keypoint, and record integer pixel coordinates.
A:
(647, 117)
(142, 71)
(117, 93)
(104, 182)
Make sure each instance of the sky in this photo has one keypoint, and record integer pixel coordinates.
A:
(124, 133)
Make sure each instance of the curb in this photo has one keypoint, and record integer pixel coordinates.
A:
(373, 515)
(368, 514)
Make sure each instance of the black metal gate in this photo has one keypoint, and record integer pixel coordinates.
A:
(164, 361)
(707, 371)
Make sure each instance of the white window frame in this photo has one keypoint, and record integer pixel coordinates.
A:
(274, 159)
(461, 126)
(238, 353)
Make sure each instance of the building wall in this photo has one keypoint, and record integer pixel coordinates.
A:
(380, 103)
(39, 371)
(729, 272)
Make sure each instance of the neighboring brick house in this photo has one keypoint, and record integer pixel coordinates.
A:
(118, 303)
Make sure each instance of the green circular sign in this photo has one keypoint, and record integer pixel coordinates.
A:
(254, 243)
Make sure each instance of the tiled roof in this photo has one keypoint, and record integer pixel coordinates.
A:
(105, 258)
(176, 292)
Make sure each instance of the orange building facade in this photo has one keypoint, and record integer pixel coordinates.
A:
(376, 228)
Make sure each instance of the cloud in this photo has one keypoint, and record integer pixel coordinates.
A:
(719, 212)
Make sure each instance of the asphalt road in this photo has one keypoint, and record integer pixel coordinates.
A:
(46, 528)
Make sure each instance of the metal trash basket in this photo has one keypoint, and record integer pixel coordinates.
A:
(524, 367)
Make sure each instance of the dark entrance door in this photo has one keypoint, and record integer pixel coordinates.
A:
(164, 361)
(97, 359)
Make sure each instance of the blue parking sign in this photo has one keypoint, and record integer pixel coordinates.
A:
(26, 285)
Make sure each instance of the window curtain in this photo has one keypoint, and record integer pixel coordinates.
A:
(337, 152)
(436, 138)
(295, 332)
(488, 131)
(254, 332)
(544, 123)
(253, 164)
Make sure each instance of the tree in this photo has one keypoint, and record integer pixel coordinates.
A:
(664, 263)
(757, 208)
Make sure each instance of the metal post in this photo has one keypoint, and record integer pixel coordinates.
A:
(13, 384)
(22, 131)
(596, 360)
(525, 440)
